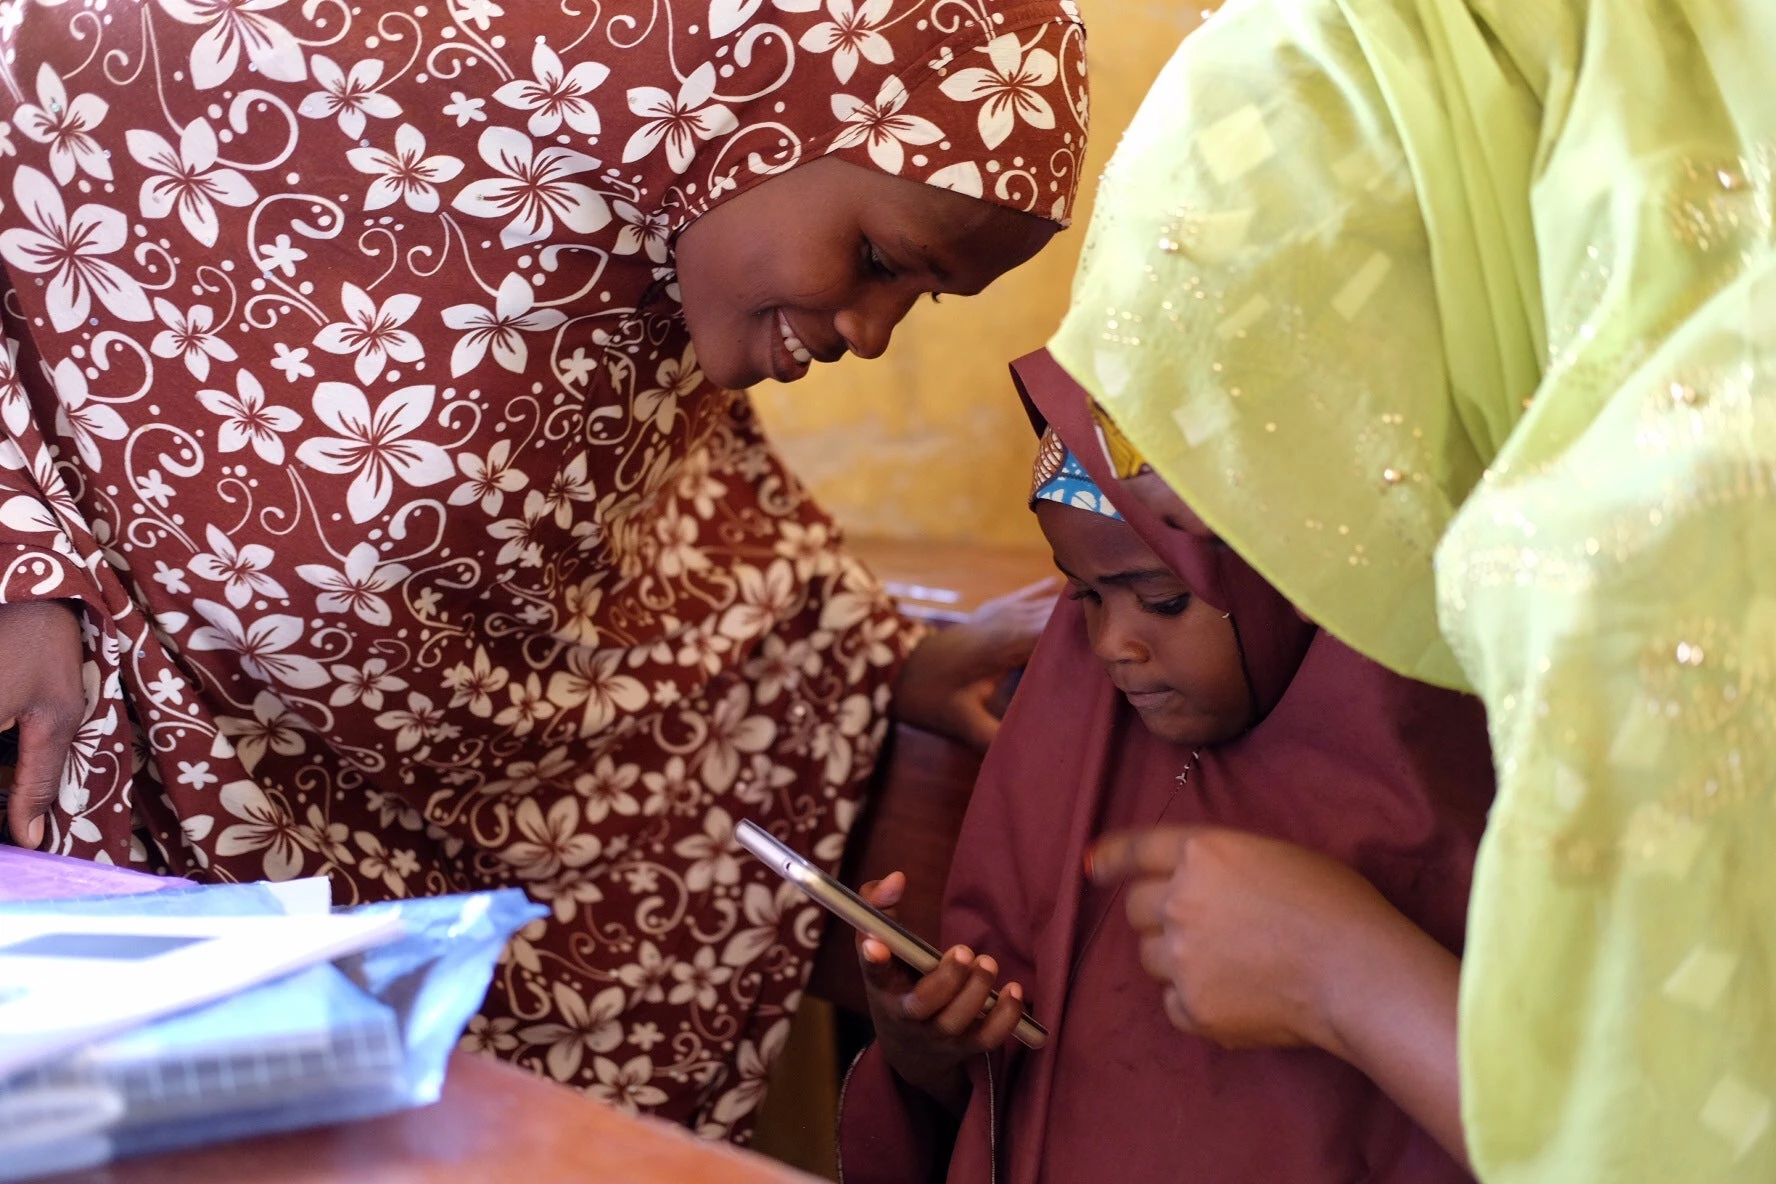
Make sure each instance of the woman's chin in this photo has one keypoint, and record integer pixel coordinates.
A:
(733, 374)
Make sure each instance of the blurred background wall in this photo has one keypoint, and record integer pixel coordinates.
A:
(930, 441)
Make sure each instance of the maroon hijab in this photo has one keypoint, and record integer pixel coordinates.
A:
(1388, 776)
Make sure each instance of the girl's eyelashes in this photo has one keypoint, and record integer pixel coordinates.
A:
(1168, 608)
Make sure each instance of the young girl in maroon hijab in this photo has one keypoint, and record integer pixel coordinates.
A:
(1175, 687)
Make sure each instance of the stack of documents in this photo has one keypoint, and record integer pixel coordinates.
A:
(147, 1014)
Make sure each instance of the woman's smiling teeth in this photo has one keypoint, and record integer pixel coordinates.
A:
(791, 342)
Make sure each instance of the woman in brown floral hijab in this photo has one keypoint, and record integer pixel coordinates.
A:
(366, 390)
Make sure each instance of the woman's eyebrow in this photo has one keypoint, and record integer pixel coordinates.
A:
(927, 260)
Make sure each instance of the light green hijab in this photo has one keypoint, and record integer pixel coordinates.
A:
(1458, 321)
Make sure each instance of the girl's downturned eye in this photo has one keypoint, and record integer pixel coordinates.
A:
(1169, 608)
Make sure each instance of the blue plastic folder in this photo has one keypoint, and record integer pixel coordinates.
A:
(367, 1035)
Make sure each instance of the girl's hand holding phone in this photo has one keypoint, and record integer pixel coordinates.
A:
(930, 1025)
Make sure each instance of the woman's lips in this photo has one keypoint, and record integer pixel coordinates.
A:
(790, 359)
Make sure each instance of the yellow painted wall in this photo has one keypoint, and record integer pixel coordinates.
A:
(930, 441)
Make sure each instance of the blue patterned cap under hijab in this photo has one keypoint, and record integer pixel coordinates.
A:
(1059, 477)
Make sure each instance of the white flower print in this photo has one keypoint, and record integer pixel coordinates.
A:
(670, 788)
(625, 1086)
(324, 838)
(676, 533)
(197, 776)
(265, 825)
(171, 578)
(260, 644)
(188, 179)
(808, 546)
(556, 96)
(465, 110)
(406, 174)
(592, 684)
(646, 976)
(155, 488)
(851, 33)
(240, 571)
(712, 853)
(650, 232)
(754, 1064)
(414, 726)
(780, 667)
(358, 587)
(678, 122)
(764, 915)
(570, 484)
(293, 362)
(1008, 90)
(579, 621)
(577, 368)
(521, 546)
(733, 732)
(82, 417)
(68, 250)
(490, 480)
(248, 419)
(281, 255)
(273, 728)
(529, 707)
(480, 12)
(15, 405)
(391, 867)
(190, 336)
(374, 445)
(725, 16)
(606, 790)
(677, 378)
(766, 597)
(474, 686)
(565, 894)
(526, 777)
(584, 1028)
(698, 979)
(490, 1036)
(167, 687)
(66, 126)
(883, 126)
(351, 96)
(552, 842)
(236, 25)
(365, 684)
(372, 332)
(532, 189)
(502, 327)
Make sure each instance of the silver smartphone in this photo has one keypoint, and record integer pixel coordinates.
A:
(852, 909)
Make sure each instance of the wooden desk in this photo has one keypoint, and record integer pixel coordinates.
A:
(494, 1124)
(944, 581)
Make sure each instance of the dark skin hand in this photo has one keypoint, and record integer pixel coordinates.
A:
(929, 1026)
(949, 679)
(40, 693)
(1263, 944)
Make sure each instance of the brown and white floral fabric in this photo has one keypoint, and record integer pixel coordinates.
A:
(342, 381)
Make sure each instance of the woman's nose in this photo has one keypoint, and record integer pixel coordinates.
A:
(869, 324)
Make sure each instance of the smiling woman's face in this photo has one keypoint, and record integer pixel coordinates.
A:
(826, 259)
